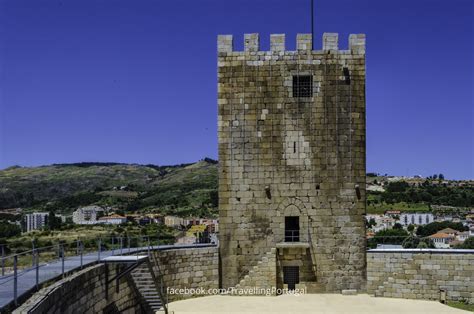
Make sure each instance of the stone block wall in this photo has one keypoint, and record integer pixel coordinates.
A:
(188, 268)
(261, 279)
(84, 292)
(296, 257)
(281, 155)
(421, 275)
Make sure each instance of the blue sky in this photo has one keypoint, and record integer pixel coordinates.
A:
(135, 81)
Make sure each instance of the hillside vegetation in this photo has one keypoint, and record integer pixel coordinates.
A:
(190, 189)
(182, 189)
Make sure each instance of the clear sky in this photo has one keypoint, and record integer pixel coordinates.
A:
(135, 81)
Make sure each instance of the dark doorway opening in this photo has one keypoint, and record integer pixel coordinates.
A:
(292, 229)
(291, 276)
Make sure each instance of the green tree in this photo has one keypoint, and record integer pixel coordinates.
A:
(388, 236)
(53, 221)
(467, 244)
(397, 226)
(8, 230)
(432, 228)
(370, 223)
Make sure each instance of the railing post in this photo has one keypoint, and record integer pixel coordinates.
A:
(148, 240)
(81, 248)
(62, 259)
(99, 249)
(15, 279)
(3, 260)
(112, 239)
(121, 245)
(128, 240)
(37, 268)
(32, 253)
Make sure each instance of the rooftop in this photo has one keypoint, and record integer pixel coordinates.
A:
(114, 216)
(440, 235)
(448, 230)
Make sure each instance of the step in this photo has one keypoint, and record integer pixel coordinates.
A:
(148, 290)
(349, 292)
(155, 304)
(142, 275)
(145, 282)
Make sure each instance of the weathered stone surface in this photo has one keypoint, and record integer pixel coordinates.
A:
(83, 292)
(421, 275)
(281, 155)
(188, 268)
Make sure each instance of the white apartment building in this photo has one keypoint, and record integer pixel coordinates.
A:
(36, 221)
(113, 220)
(416, 219)
(87, 215)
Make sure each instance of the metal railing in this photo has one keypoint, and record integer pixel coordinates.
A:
(25, 271)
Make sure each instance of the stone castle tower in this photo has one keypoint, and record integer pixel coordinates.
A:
(291, 131)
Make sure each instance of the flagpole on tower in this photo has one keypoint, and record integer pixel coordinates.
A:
(312, 24)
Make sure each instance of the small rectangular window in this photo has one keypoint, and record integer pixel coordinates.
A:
(302, 86)
(292, 229)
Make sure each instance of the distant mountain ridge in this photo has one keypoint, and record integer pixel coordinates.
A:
(188, 189)
(62, 187)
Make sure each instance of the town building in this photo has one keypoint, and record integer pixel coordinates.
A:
(174, 221)
(291, 131)
(417, 219)
(442, 240)
(382, 222)
(450, 231)
(36, 221)
(462, 236)
(113, 219)
(88, 215)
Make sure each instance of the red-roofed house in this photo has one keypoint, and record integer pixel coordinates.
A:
(442, 240)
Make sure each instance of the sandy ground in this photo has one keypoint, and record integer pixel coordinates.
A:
(310, 303)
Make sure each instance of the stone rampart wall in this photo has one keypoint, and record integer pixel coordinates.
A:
(416, 274)
(84, 292)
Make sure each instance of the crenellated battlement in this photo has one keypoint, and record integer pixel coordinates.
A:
(225, 43)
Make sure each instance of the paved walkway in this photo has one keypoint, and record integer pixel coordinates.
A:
(309, 303)
(27, 277)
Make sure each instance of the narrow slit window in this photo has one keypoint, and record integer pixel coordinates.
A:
(302, 86)
(347, 76)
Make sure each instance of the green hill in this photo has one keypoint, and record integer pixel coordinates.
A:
(182, 189)
(191, 189)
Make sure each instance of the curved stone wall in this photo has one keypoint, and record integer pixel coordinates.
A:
(84, 292)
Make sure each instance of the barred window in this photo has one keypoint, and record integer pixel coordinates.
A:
(302, 86)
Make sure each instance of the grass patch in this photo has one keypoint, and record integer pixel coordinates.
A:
(402, 206)
(461, 305)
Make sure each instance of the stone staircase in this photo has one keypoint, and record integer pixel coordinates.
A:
(262, 275)
(147, 288)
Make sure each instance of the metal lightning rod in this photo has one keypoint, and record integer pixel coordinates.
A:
(312, 24)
